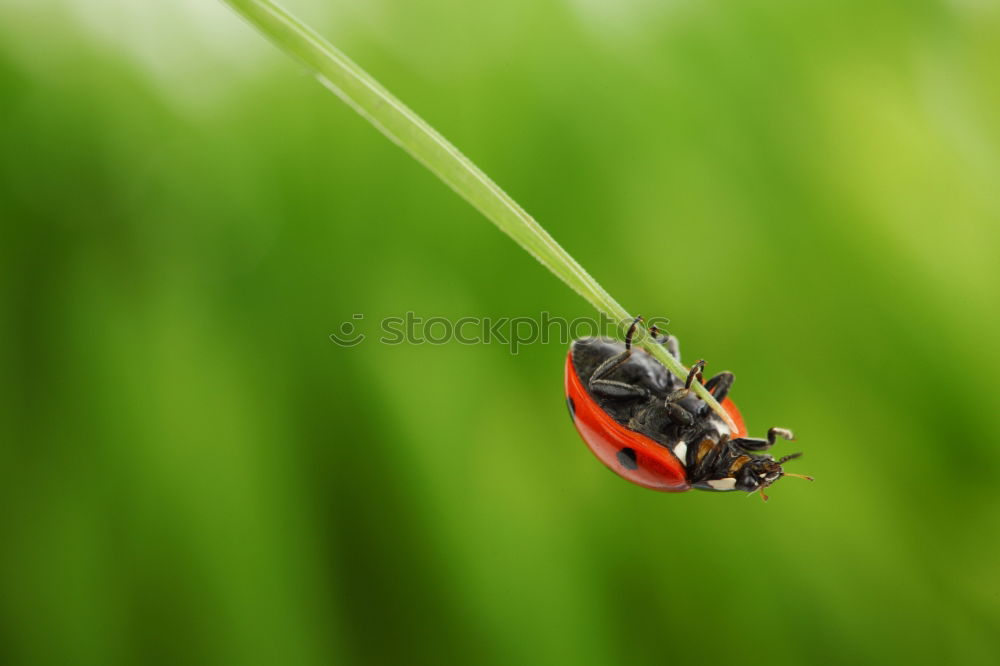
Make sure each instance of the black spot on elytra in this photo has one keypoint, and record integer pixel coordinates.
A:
(626, 457)
(572, 406)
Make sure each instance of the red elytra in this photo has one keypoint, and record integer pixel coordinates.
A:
(654, 466)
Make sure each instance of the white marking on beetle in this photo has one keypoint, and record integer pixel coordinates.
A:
(727, 483)
(681, 451)
(720, 427)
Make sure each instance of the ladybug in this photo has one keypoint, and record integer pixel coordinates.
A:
(650, 428)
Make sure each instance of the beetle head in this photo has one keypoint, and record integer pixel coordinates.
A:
(762, 471)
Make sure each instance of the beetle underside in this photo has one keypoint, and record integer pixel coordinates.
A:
(639, 393)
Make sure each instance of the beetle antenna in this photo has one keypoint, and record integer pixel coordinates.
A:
(792, 456)
(800, 476)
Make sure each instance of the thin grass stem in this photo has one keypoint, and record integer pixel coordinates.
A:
(411, 133)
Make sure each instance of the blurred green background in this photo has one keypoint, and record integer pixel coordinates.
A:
(191, 472)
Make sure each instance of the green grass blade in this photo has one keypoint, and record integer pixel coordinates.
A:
(405, 128)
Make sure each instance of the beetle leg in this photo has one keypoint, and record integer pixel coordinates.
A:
(609, 366)
(752, 443)
(695, 372)
(649, 418)
(676, 396)
(680, 394)
(616, 361)
(757, 444)
(674, 411)
(719, 385)
(655, 417)
(612, 389)
(668, 341)
(678, 414)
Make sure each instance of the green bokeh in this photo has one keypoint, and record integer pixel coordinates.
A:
(191, 472)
